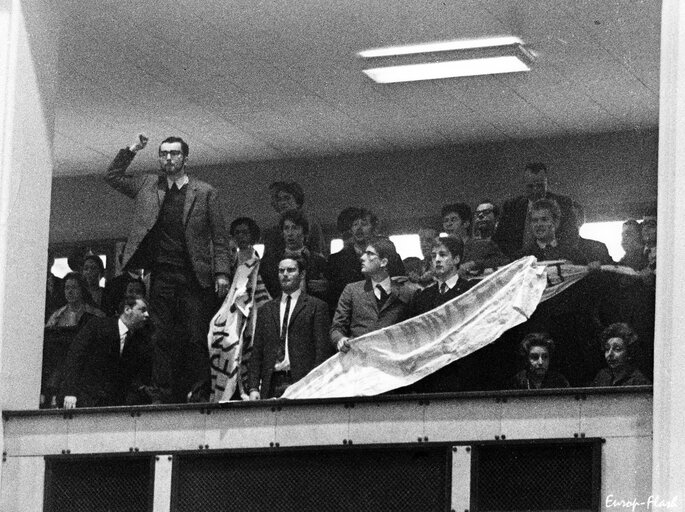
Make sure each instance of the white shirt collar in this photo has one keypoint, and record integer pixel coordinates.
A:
(123, 330)
(294, 296)
(182, 180)
(451, 282)
(385, 283)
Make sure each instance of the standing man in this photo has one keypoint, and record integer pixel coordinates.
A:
(107, 363)
(545, 218)
(446, 254)
(374, 303)
(343, 266)
(514, 229)
(291, 335)
(177, 234)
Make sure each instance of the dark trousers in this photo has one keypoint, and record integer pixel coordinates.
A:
(181, 311)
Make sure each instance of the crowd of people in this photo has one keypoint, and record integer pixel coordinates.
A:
(143, 338)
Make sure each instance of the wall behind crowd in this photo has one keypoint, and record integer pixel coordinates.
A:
(603, 171)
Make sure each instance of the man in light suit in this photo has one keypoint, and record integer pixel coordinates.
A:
(177, 234)
(374, 303)
(108, 362)
(291, 335)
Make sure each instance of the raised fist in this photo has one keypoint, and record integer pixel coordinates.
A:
(142, 142)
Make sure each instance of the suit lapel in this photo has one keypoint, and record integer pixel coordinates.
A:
(371, 296)
(299, 306)
(191, 194)
(161, 191)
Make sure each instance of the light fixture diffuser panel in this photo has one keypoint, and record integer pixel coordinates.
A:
(447, 69)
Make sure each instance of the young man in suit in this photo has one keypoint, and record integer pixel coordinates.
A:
(374, 303)
(291, 335)
(108, 363)
(178, 234)
(446, 255)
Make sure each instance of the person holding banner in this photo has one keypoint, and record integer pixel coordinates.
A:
(372, 304)
(291, 335)
(446, 254)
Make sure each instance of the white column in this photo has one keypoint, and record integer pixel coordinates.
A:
(28, 78)
(162, 497)
(668, 474)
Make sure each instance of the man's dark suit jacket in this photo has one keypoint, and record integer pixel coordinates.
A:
(430, 297)
(358, 312)
(448, 378)
(202, 218)
(512, 223)
(308, 344)
(344, 267)
(94, 371)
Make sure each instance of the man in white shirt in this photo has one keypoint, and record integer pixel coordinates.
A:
(291, 335)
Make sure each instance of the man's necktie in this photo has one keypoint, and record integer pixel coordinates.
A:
(383, 295)
(284, 330)
(443, 288)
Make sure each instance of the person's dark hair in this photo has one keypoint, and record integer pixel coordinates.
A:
(626, 333)
(495, 207)
(251, 225)
(536, 339)
(296, 217)
(363, 213)
(413, 264)
(184, 145)
(461, 209)
(550, 205)
(291, 187)
(650, 211)
(75, 259)
(453, 244)
(346, 218)
(301, 262)
(97, 260)
(536, 168)
(383, 246)
(85, 293)
(633, 225)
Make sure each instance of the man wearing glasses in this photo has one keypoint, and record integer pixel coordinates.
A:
(374, 303)
(177, 234)
(480, 251)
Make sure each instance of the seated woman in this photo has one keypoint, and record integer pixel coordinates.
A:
(621, 350)
(536, 350)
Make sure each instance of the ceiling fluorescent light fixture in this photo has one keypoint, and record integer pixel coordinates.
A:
(441, 46)
(448, 59)
(448, 69)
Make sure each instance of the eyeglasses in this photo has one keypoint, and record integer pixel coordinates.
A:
(174, 154)
(483, 213)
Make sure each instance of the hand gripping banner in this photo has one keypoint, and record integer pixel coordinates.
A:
(404, 353)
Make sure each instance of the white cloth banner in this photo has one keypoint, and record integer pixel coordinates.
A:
(404, 353)
(231, 330)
